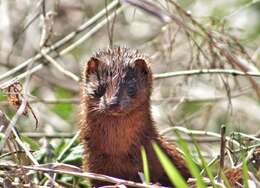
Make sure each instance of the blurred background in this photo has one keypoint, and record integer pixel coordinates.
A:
(207, 35)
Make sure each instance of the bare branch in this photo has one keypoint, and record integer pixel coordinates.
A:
(88, 175)
(59, 67)
(206, 71)
(222, 150)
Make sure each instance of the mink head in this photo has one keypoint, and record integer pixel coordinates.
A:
(117, 81)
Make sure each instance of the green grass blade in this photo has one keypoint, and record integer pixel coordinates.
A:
(190, 163)
(245, 174)
(169, 168)
(204, 163)
(145, 166)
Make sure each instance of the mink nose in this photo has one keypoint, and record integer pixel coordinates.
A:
(114, 105)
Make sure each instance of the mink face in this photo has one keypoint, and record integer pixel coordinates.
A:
(117, 81)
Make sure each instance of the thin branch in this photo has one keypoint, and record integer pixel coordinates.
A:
(197, 132)
(39, 135)
(59, 67)
(88, 175)
(198, 139)
(232, 164)
(21, 76)
(49, 101)
(156, 76)
(247, 148)
(222, 150)
(232, 72)
(251, 137)
(207, 181)
(202, 99)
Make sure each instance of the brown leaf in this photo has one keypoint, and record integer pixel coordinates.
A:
(234, 175)
(15, 99)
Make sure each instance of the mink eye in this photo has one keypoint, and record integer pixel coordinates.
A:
(100, 91)
(131, 88)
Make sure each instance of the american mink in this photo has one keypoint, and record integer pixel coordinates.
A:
(116, 118)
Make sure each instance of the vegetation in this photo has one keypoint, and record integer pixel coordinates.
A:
(205, 56)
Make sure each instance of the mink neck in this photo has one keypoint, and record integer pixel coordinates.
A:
(115, 135)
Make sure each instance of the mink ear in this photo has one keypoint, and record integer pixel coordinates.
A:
(92, 65)
(141, 65)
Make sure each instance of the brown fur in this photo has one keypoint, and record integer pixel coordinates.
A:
(113, 132)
